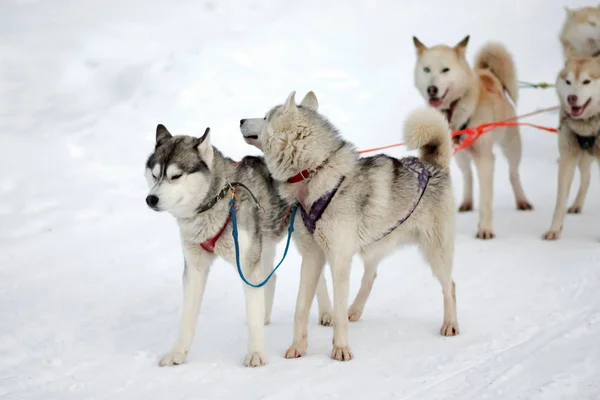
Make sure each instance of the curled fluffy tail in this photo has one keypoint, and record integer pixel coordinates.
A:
(426, 129)
(496, 58)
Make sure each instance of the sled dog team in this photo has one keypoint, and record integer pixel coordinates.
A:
(367, 205)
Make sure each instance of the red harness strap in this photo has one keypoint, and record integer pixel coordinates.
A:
(302, 175)
(209, 244)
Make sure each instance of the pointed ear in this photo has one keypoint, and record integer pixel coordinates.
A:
(162, 134)
(570, 12)
(205, 149)
(461, 48)
(310, 101)
(419, 46)
(290, 103)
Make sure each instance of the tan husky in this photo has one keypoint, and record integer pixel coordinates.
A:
(581, 31)
(578, 88)
(469, 97)
(580, 35)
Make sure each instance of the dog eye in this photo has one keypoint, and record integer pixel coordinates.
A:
(587, 82)
(154, 177)
(445, 70)
(175, 177)
(592, 23)
(426, 70)
(568, 82)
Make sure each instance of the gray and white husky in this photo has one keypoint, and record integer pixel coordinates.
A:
(365, 205)
(190, 179)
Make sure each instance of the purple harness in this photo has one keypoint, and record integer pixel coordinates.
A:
(413, 164)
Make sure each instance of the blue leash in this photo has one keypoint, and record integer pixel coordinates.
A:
(234, 233)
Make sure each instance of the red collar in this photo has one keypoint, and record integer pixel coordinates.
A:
(302, 175)
(209, 244)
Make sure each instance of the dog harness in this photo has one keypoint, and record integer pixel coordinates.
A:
(317, 209)
(587, 142)
(209, 244)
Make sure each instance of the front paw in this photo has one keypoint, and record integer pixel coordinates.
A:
(524, 205)
(255, 359)
(551, 235)
(485, 234)
(449, 328)
(173, 358)
(354, 314)
(466, 206)
(325, 318)
(296, 350)
(341, 353)
(574, 209)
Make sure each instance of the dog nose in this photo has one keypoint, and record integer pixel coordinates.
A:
(242, 122)
(152, 200)
(572, 100)
(432, 91)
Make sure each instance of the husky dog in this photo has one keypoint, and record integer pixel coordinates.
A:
(578, 88)
(191, 179)
(251, 128)
(580, 35)
(470, 97)
(581, 31)
(367, 205)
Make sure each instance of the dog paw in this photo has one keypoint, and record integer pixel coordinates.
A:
(296, 350)
(341, 353)
(173, 358)
(449, 329)
(267, 320)
(354, 314)
(485, 234)
(524, 205)
(255, 359)
(574, 209)
(466, 206)
(325, 319)
(551, 235)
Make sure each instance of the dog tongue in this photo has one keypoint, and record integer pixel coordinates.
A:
(436, 103)
(576, 111)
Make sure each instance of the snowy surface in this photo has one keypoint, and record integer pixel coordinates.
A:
(90, 278)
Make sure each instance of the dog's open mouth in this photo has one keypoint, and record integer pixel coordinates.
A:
(577, 111)
(436, 102)
(251, 137)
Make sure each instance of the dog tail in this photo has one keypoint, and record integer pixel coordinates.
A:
(426, 129)
(496, 58)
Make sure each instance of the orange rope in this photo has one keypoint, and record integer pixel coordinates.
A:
(474, 133)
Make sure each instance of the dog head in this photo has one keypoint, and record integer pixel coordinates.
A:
(578, 86)
(581, 30)
(442, 73)
(296, 137)
(251, 128)
(178, 173)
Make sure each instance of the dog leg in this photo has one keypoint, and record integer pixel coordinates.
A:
(313, 261)
(195, 274)
(340, 272)
(585, 165)
(255, 319)
(438, 250)
(484, 161)
(371, 261)
(511, 147)
(268, 263)
(323, 301)
(566, 171)
(463, 159)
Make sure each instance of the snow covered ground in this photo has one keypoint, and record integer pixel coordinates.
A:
(90, 278)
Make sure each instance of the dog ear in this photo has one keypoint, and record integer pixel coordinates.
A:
(162, 134)
(569, 11)
(290, 103)
(205, 148)
(462, 46)
(310, 101)
(419, 46)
